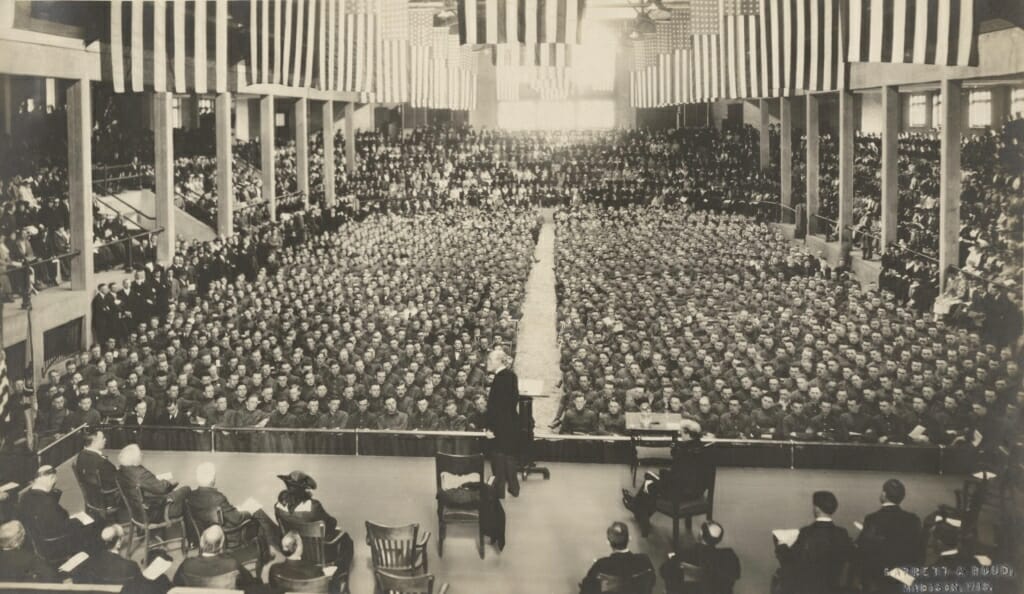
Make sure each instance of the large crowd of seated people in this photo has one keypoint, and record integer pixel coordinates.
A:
(317, 321)
(718, 318)
(992, 225)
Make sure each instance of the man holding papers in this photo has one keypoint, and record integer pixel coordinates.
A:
(40, 510)
(157, 491)
(206, 498)
(890, 537)
(813, 562)
(108, 566)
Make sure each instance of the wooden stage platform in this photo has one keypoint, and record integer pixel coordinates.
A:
(555, 528)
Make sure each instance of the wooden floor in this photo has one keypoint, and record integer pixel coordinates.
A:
(555, 528)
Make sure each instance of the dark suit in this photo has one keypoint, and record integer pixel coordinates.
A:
(623, 565)
(301, 570)
(154, 491)
(891, 538)
(106, 567)
(212, 566)
(502, 419)
(22, 565)
(816, 560)
(45, 519)
(689, 477)
(96, 470)
(208, 499)
(718, 571)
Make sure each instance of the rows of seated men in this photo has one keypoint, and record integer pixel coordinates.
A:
(379, 324)
(720, 318)
(40, 541)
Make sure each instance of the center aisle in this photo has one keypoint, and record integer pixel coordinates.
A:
(537, 355)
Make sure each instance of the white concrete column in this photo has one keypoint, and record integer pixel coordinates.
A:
(846, 133)
(813, 152)
(163, 133)
(225, 165)
(80, 183)
(890, 163)
(267, 153)
(764, 144)
(350, 137)
(786, 153)
(301, 110)
(327, 117)
(241, 118)
(49, 93)
(949, 179)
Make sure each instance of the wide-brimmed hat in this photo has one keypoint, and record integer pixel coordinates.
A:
(297, 478)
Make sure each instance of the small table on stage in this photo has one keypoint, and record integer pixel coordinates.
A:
(655, 423)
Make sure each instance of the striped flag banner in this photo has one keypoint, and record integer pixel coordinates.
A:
(392, 84)
(285, 41)
(803, 40)
(706, 24)
(163, 29)
(742, 45)
(421, 23)
(524, 21)
(358, 46)
(938, 32)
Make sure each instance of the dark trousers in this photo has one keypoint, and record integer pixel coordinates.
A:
(505, 470)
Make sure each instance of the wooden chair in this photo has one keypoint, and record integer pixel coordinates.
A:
(388, 583)
(675, 507)
(103, 502)
(139, 516)
(456, 512)
(248, 552)
(650, 451)
(318, 584)
(224, 580)
(639, 583)
(398, 550)
(52, 550)
(314, 537)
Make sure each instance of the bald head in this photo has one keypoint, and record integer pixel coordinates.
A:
(212, 540)
(12, 535)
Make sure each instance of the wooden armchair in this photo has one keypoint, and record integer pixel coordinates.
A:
(135, 504)
(388, 583)
(674, 506)
(398, 550)
(248, 551)
(315, 544)
(452, 472)
(640, 583)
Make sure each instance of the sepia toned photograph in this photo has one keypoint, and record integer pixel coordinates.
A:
(512, 296)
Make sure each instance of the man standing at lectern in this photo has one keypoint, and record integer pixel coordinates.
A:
(502, 423)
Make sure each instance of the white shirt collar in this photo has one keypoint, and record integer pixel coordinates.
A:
(823, 519)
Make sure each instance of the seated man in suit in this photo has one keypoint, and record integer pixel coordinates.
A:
(18, 563)
(211, 563)
(206, 498)
(45, 519)
(108, 566)
(815, 561)
(891, 537)
(93, 467)
(622, 565)
(703, 568)
(156, 493)
(689, 477)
